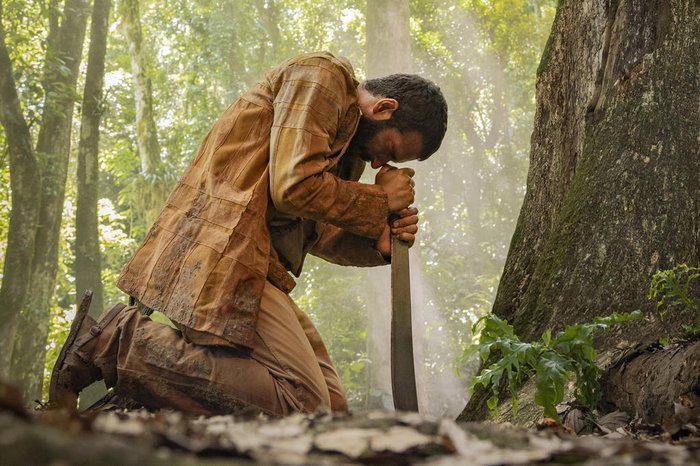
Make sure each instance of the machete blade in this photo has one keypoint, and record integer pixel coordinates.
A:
(403, 375)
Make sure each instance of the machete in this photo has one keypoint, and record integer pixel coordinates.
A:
(403, 375)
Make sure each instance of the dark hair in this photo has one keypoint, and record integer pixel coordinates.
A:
(422, 107)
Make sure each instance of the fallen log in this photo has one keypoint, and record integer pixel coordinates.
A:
(655, 384)
(651, 383)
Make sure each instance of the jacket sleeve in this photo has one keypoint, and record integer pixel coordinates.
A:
(344, 248)
(313, 98)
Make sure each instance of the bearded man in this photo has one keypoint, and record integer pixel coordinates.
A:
(274, 179)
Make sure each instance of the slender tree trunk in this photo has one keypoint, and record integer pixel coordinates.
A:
(146, 131)
(53, 152)
(24, 178)
(388, 38)
(268, 11)
(388, 52)
(614, 181)
(87, 238)
(484, 144)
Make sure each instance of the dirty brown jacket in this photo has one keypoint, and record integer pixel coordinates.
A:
(269, 164)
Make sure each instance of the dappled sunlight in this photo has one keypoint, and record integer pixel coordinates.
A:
(200, 56)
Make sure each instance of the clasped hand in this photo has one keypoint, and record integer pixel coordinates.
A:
(403, 225)
(398, 184)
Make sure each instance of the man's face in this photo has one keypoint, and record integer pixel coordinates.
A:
(378, 143)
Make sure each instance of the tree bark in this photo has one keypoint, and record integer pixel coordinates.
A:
(53, 151)
(87, 238)
(613, 190)
(146, 131)
(24, 176)
(648, 384)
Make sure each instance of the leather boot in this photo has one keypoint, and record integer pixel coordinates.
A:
(75, 369)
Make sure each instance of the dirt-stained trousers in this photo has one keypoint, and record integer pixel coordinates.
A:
(288, 369)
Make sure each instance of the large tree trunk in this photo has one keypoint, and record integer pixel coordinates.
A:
(53, 151)
(87, 238)
(388, 52)
(613, 190)
(146, 131)
(24, 176)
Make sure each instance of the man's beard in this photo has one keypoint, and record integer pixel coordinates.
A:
(366, 131)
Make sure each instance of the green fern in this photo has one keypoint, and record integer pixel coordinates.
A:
(672, 289)
(551, 361)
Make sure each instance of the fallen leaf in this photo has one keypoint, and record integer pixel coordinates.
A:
(574, 420)
(612, 421)
(350, 442)
(111, 423)
(399, 439)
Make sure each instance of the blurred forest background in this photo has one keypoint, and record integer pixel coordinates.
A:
(170, 68)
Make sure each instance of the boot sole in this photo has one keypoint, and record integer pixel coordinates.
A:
(72, 334)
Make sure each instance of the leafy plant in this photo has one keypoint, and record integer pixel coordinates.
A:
(551, 361)
(671, 289)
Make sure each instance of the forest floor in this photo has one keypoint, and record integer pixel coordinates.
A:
(381, 437)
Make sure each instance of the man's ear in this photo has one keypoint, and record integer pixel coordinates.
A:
(383, 108)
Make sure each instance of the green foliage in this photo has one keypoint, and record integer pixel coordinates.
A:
(203, 54)
(116, 247)
(59, 326)
(674, 289)
(26, 28)
(551, 361)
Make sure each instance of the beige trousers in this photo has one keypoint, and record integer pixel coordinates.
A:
(287, 370)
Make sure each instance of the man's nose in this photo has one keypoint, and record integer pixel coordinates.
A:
(379, 161)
